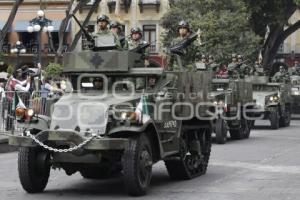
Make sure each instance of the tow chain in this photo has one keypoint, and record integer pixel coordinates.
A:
(61, 150)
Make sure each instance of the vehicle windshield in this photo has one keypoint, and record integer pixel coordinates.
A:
(220, 86)
(102, 83)
(265, 88)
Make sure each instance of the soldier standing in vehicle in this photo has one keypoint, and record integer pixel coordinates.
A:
(135, 41)
(212, 65)
(280, 76)
(116, 28)
(233, 65)
(188, 58)
(104, 32)
(201, 62)
(243, 67)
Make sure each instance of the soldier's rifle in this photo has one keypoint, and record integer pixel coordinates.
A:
(85, 32)
(178, 48)
(140, 49)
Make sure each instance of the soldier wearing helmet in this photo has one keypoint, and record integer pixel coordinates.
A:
(104, 34)
(244, 69)
(233, 65)
(281, 75)
(187, 60)
(135, 41)
(116, 28)
(212, 65)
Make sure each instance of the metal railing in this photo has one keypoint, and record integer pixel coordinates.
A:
(10, 101)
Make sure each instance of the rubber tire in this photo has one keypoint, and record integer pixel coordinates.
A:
(274, 119)
(239, 133)
(32, 179)
(177, 170)
(221, 131)
(132, 183)
(283, 122)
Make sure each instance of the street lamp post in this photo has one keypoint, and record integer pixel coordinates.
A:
(40, 24)
(18, 49)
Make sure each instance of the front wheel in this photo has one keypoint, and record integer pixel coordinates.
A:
(193, 157)
(137, 165)
(34, 169)
(274, 118)
(221, 131)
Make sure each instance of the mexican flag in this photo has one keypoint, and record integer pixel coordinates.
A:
(142, 110)
(17, 102)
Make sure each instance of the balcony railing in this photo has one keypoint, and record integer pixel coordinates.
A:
(125, 4)
(33, 48)
(149, 3)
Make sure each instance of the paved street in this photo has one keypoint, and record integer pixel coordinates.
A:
(267, 166)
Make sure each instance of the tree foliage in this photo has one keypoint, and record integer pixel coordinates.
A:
(275, 15)
(224, 25)
(53, 70)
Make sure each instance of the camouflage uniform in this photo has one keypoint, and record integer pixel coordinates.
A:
(187, 60)
(280, 76)
(258, 70)
(106, 31)
(212, 65)
(132, 44)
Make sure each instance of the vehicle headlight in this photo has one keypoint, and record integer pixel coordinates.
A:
(20, 112)
(29, 112)
(130, 116)
(274, 98)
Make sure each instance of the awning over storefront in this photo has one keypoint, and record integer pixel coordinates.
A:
(21, 26)
(56, 24)
(2, 23)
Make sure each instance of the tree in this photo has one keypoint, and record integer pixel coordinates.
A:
(223, 23)
(9, 21)
(275, 15)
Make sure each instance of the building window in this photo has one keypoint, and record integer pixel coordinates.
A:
(149, 32)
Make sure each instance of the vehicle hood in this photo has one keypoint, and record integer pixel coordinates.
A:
(86, 112)
(260, 97)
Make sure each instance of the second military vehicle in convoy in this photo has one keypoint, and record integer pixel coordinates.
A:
(232, 97)
(273, 101)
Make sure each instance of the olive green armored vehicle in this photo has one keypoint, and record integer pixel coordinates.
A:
(232, 97)
(120, 119)
(273, 101)
(295, 93)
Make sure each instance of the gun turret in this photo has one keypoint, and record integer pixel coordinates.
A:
(178, 48)
(85, 32)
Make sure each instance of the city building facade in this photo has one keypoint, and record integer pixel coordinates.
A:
(54, 10)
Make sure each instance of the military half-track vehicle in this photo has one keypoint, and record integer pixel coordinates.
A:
(295, 93)
(232, 97)
(108, 126)
(273, 101)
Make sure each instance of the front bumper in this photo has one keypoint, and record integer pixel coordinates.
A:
(70, 138)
